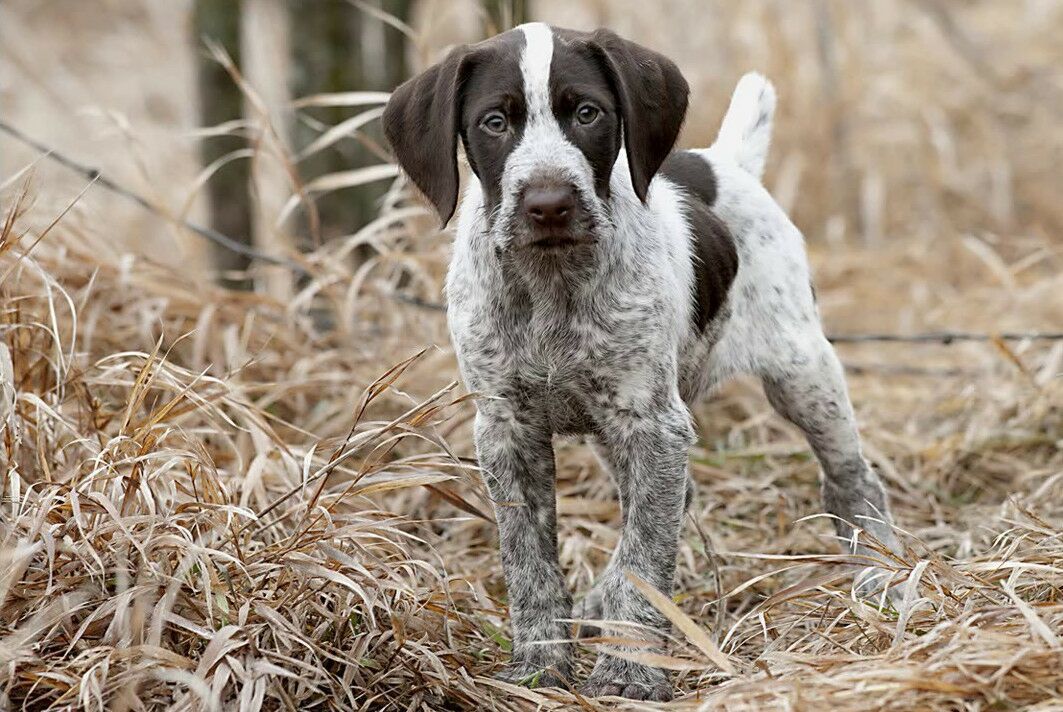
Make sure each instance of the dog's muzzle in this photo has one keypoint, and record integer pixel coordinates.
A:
(553, 216)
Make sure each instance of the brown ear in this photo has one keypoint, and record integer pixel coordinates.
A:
(421, 122)
(653, 101)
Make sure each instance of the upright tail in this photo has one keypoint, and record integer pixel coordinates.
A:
(745, 134)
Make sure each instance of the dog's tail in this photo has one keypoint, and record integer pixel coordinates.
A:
(745, 134)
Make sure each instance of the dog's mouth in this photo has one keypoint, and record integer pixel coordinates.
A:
(559, 243)
(580, 233)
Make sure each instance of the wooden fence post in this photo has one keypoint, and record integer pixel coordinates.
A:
(265, 51)
(219, 99)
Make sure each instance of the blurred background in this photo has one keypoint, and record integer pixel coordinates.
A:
(898, 118)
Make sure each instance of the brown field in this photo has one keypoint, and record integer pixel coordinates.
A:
(215, 499)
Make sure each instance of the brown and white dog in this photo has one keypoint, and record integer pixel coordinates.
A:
(600, 283)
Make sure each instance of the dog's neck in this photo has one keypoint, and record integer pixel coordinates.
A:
(554, 287)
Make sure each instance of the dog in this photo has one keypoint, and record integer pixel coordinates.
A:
(601, 282)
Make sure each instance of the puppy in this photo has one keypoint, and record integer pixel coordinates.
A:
(601, 282)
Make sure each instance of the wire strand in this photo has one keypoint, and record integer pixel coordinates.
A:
(97, 177)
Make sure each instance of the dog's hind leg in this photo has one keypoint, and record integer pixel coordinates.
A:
(774, 332)
(804, 381)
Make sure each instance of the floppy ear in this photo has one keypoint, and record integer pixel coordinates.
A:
(653, 101)
(421, 122)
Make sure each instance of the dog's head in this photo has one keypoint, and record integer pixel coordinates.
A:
(542, 114)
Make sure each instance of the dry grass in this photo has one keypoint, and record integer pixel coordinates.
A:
(202, 506)
(212, 500)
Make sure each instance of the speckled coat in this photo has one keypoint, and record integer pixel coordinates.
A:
(690, 273)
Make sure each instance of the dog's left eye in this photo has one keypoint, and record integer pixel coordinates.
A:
(586, 114)
(495, 123)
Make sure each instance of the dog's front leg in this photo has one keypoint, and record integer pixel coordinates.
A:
(517, 460)
(648, 452)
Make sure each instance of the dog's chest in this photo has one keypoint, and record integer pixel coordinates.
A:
(570, 366)
(569, 369)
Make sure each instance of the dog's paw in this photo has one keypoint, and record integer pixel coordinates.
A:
(661, 692)
(622, 678)
(530, 675)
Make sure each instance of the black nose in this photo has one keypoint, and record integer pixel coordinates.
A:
(549, 206)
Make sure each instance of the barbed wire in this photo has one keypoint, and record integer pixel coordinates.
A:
(224, 241)
(95, 176)
(947, 337)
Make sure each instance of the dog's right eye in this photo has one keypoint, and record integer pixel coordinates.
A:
(494, 123)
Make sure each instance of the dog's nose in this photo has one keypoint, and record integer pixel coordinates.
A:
(549, 206)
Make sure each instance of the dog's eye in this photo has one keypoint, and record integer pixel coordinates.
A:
(587, 114)
(494, 123)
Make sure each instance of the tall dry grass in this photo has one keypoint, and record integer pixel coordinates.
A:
(213, 503)
(216, 500)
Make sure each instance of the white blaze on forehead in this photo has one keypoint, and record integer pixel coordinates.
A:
(543, 150)
(535, 68)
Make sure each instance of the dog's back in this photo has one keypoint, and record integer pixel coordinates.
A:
(744, 138)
